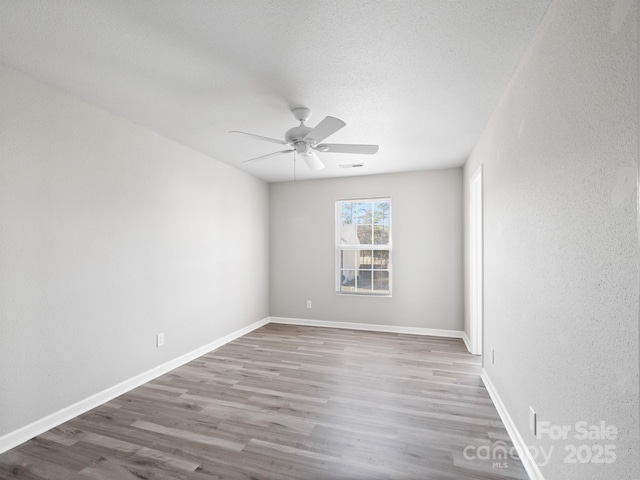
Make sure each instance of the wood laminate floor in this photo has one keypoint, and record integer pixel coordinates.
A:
(289, 402)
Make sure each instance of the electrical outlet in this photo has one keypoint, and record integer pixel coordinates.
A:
(159, 339)
(533, 421)
(309, 304)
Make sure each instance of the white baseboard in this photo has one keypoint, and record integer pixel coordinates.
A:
(467, 342)
(524, 453)
(435, 332)
(15, 438)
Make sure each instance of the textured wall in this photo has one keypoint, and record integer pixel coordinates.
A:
(427, 250)
(561, 240)
(110, 234)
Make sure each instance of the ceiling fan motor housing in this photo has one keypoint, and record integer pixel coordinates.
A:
(302, 148)
(297, 134)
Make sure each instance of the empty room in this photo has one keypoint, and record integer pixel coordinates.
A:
(329, 239)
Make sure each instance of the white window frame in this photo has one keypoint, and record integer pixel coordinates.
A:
(341, 247)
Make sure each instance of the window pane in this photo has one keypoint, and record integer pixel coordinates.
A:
(381, 235)
(349, 260)
(381, 213)
(364, 212)
(381, 259)
(366, 257)
(364, 281)
(347, 289)
(349, 235)
(348, 278)
(347, 213)
(364, 234)
(381, 281)
(357, 281)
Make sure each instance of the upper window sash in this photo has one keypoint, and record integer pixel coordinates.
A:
(364, 222)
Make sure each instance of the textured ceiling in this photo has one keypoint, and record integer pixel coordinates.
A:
(419, 78)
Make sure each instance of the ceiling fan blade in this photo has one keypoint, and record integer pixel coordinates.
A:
(326, 127)
(347, 148)
(260, 137)
(269, 155)
(312, 161)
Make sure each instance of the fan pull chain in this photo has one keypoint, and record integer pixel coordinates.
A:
(294, 166)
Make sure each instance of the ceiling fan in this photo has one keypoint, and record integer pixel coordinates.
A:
(305, 141)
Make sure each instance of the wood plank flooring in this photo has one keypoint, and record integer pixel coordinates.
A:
(289, 402)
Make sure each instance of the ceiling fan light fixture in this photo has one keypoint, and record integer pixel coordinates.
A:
(312, 161)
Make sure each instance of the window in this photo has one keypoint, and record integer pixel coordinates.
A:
(363, 246)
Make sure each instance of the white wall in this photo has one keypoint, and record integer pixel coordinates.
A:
(427, 250)
(110, 234)
(561, 236)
